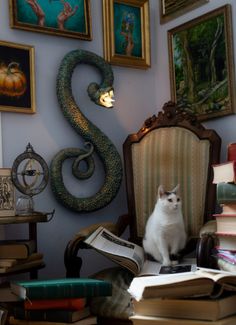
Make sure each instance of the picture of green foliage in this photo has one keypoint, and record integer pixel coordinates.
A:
(200, 67)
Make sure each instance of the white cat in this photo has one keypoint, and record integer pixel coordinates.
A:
(165, 233)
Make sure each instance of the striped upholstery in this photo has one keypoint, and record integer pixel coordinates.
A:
(170, 156)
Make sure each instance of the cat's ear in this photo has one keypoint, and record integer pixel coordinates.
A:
(161, 191)
(176, 189)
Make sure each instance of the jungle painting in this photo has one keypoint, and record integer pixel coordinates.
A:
(201, 65)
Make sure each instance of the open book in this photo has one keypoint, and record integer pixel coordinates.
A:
(202, 282)
(130, 255)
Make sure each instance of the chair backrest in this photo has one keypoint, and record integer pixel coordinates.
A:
(172, 148)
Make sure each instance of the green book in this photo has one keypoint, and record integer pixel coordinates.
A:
(226, 193)
(51, 315)
(61, 288)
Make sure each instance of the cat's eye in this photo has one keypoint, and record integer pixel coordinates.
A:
(170, 200)
(178, 199)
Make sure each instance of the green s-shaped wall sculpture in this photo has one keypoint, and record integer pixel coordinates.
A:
(94, 138)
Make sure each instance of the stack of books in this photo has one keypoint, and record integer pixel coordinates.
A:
(16, 255)
(225, 180)
(56, 301)
(194, 298)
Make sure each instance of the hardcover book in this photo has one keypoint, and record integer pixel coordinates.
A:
(231, 151)
(66, 303)
(19, 249)
(203, 282)
(226, 193)
(144, 320)
(61, 288)
(86, 321)
(226, 241)
(34, 260)
(225, 223)
(195, 308)
(225, 172)
(51, 315)
(228, 208)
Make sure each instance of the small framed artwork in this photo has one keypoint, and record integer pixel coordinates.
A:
(170, 9)
(7, 193)
(71, 18)
(127, 33)
(202, 65)
(17, 78)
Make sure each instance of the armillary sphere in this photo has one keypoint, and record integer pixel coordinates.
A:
(30, 172)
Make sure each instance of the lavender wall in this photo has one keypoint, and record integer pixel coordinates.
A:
(139, 94)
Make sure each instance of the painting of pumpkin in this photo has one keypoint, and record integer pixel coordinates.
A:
(12, 80)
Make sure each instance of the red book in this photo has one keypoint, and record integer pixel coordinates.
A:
(225, 172)
(231, 151)
(68, 303)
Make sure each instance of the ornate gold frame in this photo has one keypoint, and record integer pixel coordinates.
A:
(24, 57)
(170, 9)
(204, 104)
(35, 27)
(142, 61)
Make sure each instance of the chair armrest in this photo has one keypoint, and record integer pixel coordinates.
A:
(72, 261)
(205, 246)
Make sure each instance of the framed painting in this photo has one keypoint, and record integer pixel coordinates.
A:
(69, 18)
(17, 78)
(7, 193)
(170, 9)
(127, 33)
(202, 65)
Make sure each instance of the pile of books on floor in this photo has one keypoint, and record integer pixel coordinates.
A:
(56, 301)
(16, 255)
(192, 298)
(225, 180)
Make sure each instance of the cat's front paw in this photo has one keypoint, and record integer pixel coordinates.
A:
(166, 263)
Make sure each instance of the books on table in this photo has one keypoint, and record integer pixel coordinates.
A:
(57, 301)
(61, 288)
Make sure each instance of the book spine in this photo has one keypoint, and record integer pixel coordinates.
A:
(231, 152)
(70, 304)
(226, 193)
(69, 291)
(44, 315)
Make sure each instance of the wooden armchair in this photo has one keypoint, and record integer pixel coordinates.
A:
(170, 148)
